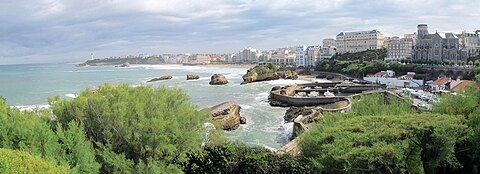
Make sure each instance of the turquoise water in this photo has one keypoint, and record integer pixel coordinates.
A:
(30, 85)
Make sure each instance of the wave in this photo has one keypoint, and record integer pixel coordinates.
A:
(91, 70)
(31, 107)
(287, 82)
(245, 107)
(71, 95)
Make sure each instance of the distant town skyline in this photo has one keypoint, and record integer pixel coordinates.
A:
(44, 31)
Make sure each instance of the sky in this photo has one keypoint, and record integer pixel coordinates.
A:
(46, 31)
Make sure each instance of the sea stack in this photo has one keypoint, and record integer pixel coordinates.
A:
(218, 79)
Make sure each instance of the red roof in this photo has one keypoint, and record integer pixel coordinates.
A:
(442, 81)
(462, 85)
(381, 73)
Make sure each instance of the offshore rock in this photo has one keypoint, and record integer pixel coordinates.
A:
(218, 79)
(124, 65)
(290, 75)
(228, 114)
(192, 76)
(160, 78)
(259, 73)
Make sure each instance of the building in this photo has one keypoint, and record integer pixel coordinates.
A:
(265, 56)
(352, 42)
(460, 85)
(388, 79)
(284, 57)
(387, 73)
(312, 56)
(248, 55)
(328, 42)
(327, 52)
(300, 53)
(470, 42)
(442, 83)
(437, 46)
(399, 49)
(408, 76)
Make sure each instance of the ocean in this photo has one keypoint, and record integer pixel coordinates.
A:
(28, 86)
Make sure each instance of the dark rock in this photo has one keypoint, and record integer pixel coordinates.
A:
(124, 65)
(192, 76)
(218, 79)
(243, 120)
(161, 78)
(310, 114)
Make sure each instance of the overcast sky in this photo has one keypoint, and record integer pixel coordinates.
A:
(42, 31)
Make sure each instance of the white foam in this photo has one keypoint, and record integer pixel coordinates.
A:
(71, 95)
(245, 107)
(270, 148)
(287, 82)
(31, 107)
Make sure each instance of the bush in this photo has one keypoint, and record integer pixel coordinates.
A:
(12, 161)
(135, 128)
(385, 144)
(238, 158)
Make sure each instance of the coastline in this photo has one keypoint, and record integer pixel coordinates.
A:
(228, 65)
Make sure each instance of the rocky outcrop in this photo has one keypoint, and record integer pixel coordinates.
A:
(160, 78)
(259, 73)
(228, 114)
(290, 75)
(310, 114)
(124, 65)
(192, 76)
(218, 79)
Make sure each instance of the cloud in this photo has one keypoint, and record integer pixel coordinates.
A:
(34, 31)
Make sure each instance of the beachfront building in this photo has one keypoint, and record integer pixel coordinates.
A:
(312, 56)
(352, 42)
(248, 55)
(328, 42)
(284, 57)
(470, 42)
(300, 53)
(399, 49)
(437, 46)
(327, 52)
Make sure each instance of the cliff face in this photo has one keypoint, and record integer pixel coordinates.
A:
(228, 114)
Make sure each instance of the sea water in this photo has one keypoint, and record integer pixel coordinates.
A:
(27, 86)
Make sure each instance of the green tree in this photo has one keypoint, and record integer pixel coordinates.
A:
(144, 125)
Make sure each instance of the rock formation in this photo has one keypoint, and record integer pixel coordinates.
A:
(218, 79)
(290, 75)
(124, 65)
(259, 73)
(310, 114)
(192, 76)
(228, 114)
(160, 78)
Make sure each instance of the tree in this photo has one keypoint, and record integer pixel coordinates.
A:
(151, 127)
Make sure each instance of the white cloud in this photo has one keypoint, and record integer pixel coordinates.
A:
(36, 29)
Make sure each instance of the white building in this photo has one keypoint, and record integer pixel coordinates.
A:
(353, 42)
(329, 42)
(312, 56)
(470, 42)
(327, 52)
(248, 55)
(284, 57)
(400, 49)
(300, 53)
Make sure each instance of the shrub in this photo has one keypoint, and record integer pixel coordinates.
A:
(12, 161)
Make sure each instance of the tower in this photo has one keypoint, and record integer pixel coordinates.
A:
(422, 30)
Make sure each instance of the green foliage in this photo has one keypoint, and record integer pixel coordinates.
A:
(135, 124)
(375, 104)
(368, 55)
(464, 103)
(12, 161)
(269, 68)
(30, 132)
(384, 144)
(238, 158)
(357, 69)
